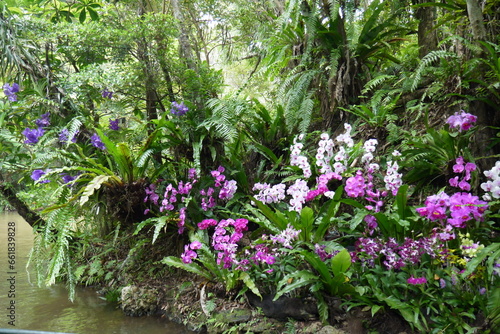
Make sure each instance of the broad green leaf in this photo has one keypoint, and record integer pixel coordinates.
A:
(82, 16)
(266, 152)
(93, 14)
(298, 280)
(408, 312)
(276, 217)
(341, 262)
(480, 256)
(357, 219)
(315, 261)
(402, 201)
(93, 185)
(191, 267)
(306, 223)
(375, 309)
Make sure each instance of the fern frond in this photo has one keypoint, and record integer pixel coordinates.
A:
(46, 157)
(312, 24)
(299, 106)
(53, 244)
(377, 81)
(290, 14)
(226, 114)
(160, 223)
(61, 248)
(73, 128)
(306, 110)
(428, 60)
(144, 158)
(334, 9)
(334, 63)
(289, 81)
(70, 278)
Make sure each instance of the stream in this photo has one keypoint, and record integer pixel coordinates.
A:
(26, 306)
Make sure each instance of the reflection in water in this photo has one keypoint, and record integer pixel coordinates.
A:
(48, 309)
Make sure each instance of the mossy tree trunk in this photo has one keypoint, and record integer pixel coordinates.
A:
(31, 217)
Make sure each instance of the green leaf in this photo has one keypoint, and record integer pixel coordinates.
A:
(491, 250)
(352, 202)
(266, 152)
(402, 201)
(121, 157)
(450, 7)
(93, 14)
(341, 262)
(493, 307)
(297, 279)
(191, 267)
(322, 308)
(82, 16)
(315, 261)
(276, 217)
(93, 185)
(357, 219)
(249, 282)
(207, 259)
(375, 309)
(160, 223)
(410, 314)
(141, 225)
(306, 223)
(387, 226)
(327, 214)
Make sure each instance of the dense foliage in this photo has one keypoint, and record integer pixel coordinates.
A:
(324, 149)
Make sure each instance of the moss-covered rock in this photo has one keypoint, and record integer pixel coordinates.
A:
(138, 301)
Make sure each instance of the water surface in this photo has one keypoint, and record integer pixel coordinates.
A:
(49, 309)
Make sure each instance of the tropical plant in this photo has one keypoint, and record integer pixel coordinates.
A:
(207, 265)
(323, 277)
(312, 226)
(324, 57)
(432, 155)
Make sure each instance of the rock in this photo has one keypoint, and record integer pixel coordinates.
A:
(139, 301)
(224, 320)
(330, 330)
(284, 307)
(235, 316)
(312, 327)
(265, 326)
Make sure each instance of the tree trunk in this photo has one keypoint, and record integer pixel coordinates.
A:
(143, 51)
(476, 20)
(185, 49)
(168, 80)
(22, 209)
(427, 36)
(487, 117)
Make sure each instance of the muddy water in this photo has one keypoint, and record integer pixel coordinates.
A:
(24, 305)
